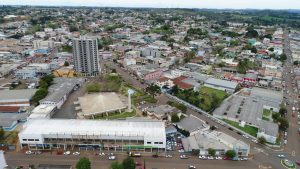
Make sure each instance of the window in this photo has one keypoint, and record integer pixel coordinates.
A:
(149, 142)
(24, 139)
(30, 139)
(160, 142)
(36, 140)
(155, 142)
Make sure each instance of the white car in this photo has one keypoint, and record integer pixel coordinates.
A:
(67, 153)
(254, 141)
(244, 159)
(192, 167)
(169, 156)
(245, 136)
(210, 157)
(28, 152)
(218, 158)
(181, 151)
(112, 157)
(280, 155)
(183, 157)
(76, 153)
(101, 154)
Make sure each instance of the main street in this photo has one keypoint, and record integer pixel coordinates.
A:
(19, 159)
(293, 143)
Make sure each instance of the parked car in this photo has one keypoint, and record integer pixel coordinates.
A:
(76, 153)
(67, 153)
(169, 156)
(112, 157)
(210, 157)
(183, 157)
(28, 152)
(280, 155)
(192, 167)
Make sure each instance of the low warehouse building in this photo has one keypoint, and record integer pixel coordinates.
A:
(219, 84)
(19, 98)
(221, 142)
(123, 135)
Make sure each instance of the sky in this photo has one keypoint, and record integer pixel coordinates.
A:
(219, 4)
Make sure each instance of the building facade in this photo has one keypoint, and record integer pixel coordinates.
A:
(118, 135)
(85, 56)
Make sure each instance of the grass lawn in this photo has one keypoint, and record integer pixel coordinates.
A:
(266, 112)
(118, 115)
(248, 129)
(138, 94)
(267, 115)
(206, 93)
(265, 118)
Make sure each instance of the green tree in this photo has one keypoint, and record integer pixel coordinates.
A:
(230, 153)
(211, 152)
(262, 140)
(66, 63)
(283, 57)
(153, 90)
(116, 165)
(2, 133)
(48, 79)
(283, 123)
(128, 163)
(282, 111)
(175, 118)
(175, 89)
(275, 116)
(83, 163)
(39, 95)
(43, 84)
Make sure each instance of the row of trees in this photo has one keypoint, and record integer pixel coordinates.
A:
(42, 92)
(127, 163)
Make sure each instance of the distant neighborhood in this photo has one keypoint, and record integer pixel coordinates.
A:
(164, 83)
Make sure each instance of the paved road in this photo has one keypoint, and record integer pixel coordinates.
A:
(17, 159)
(293, 143)
(67, 111)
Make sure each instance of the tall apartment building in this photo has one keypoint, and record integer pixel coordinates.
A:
(85, 56)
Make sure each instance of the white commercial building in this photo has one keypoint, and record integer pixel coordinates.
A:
(42, 111)
(123, 135)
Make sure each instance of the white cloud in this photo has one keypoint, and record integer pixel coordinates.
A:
(257, 4)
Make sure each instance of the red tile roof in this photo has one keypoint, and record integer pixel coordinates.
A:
(9, 109)
(178, 81)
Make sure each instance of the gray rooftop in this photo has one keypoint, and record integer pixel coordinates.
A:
(163, 109)
(191, 124)
(221, 83)
(17, 94)
(269, 128)
(61, 87)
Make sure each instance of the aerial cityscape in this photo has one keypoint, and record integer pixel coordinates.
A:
(149, 84)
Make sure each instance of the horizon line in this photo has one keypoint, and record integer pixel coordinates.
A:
(298, 9)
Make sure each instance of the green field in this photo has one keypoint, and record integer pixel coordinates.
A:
(248, 129)
(206, 98)
(267, 115)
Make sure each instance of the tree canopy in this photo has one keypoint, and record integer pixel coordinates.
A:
(153, 90)
(83, 163)
(128, 163)
(230, 153)
(175, 118)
